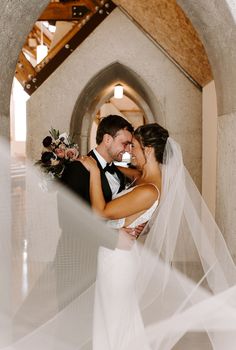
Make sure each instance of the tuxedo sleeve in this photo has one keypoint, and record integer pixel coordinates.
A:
(76, 178)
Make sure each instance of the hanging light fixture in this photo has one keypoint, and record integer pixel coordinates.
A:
(42, 49)
(118, 91)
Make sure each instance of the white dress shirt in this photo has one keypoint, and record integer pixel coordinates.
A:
(112, 179)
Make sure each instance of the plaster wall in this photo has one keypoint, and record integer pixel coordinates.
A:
(117, 39)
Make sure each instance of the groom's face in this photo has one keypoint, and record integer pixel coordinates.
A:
(119, 144)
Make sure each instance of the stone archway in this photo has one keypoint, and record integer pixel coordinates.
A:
(13, 31)
(215, 23)
(100, 89)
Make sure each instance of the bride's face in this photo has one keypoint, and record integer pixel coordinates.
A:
(138, 158)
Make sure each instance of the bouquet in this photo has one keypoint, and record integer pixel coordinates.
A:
(58, 151)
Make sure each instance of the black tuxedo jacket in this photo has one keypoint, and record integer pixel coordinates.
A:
(76, 177)
(75, 254)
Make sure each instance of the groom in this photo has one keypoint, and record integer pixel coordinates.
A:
(114, 136)
(75, 254)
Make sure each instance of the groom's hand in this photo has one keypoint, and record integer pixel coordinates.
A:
(134, 232)
(129, 231)
(138, 229)
(125, 238)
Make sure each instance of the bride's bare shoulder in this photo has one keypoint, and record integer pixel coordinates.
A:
(148, 189)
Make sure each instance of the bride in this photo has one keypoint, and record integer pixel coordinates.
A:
(115, 301)
(134, 290)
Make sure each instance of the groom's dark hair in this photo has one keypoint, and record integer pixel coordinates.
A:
(111, 125)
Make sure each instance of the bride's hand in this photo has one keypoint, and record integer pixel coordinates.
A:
(89, 163)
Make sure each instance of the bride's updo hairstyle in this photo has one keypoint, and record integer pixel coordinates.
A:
(153, 135)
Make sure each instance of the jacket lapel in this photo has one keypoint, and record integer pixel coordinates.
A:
(121, 178)
(105, 184)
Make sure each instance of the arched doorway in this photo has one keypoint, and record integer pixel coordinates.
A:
(100, 89)
(124, 107)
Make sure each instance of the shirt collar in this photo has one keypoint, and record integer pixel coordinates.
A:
(101, 160)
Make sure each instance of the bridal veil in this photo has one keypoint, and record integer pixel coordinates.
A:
(180, 281)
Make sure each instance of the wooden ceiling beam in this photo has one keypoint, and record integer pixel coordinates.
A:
(69, 11)
(24, 70)
(47, 36)
(30, 50)
(66, 46)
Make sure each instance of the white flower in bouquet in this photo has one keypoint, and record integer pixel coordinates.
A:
(65, 138)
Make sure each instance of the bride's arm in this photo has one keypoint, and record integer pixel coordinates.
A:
(136, 201)
(139, 199)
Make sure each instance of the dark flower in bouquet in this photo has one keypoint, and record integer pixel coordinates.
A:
(59, 150)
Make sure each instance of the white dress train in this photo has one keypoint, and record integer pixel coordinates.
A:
(117, 318)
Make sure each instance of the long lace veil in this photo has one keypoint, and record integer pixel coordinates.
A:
(184, 274)
(187, 275)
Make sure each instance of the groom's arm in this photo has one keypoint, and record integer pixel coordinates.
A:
(76, 178)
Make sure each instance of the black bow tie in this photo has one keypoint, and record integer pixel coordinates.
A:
(110, 168)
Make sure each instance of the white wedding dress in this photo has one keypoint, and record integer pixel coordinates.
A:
(117, 318)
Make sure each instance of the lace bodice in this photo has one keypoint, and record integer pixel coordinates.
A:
(118, 223)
